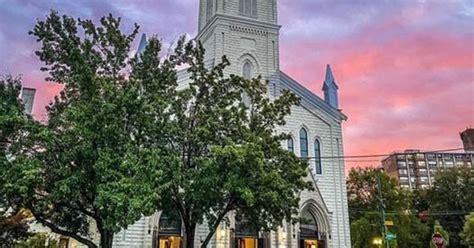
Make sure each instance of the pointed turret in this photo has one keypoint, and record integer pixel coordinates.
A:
(142, 44)
(330, 89)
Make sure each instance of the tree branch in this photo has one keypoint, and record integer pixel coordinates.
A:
(60, 231)
(216, 223)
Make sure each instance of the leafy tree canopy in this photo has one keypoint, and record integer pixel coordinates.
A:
(467, 234)
(365, 210)
(91, 162)
(451, 199)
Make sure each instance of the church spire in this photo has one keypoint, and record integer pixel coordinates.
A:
(330, 88)
(142, 44)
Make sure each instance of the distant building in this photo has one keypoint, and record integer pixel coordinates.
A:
(415, 169)
(467, 138)
(28, 97)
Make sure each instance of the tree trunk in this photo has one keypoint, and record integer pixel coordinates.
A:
(190, 233)
(210, 234)
(106, 239)
(215, 225)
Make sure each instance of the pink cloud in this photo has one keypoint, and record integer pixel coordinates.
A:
(405, 70)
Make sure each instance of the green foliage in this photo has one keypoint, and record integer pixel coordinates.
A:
(13, 228)
(39, 241)
(362, 191)
(13, 224)
(366, 217)
(227, 155)
(467, 233)
(365, 229)
(92, 161)
(451, 196)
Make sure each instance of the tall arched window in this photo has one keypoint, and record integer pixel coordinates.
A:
(303, 143)
(248, 7)
(247, 70)
(290, 145)
(309, 231)
(317, 157)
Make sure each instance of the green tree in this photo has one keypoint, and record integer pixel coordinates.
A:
(467, 233)
(365, 213)
(13, 222)
(228, 156)
(451, 199)
(13, 228)
(91, 163)
(39, 241)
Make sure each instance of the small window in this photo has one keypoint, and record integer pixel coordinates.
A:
(317, 157)
(290, 145)
(303, 143)
(248, 7)
(28, 96)
(247, 73)
(247, 70)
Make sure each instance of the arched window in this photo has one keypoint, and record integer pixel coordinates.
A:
(290, 145)
(169, 231)
(309, 231)
(247, 70)
(303, 143)
(246, 235)
(170, 223)
(308, 226)
(317, 157)
(248, 7)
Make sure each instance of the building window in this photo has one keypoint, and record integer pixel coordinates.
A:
(317, 157)
(247, 70)
(290, 145)
(27, 97)
(247, 73)
(248, 7)
(210, 9)
(303, 143)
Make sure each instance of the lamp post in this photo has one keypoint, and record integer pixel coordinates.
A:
(382, 208)
(378, 241)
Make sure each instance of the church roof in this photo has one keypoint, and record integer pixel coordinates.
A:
(307, 96)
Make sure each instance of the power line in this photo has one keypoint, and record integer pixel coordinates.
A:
(389, 154)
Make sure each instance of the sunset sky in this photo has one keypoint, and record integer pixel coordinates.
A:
(405, 69)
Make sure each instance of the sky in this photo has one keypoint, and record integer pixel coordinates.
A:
(405, 69)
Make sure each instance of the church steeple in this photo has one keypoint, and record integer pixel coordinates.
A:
(142, 44)
(264, 11)
(246, 31)
(330, 89)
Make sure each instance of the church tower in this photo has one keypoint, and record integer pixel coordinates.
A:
(246, 31)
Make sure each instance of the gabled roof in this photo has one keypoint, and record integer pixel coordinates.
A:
(309, 97)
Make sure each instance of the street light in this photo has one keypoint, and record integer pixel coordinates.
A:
(378, 241)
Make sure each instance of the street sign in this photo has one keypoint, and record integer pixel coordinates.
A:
(390, 236)
(389, 223)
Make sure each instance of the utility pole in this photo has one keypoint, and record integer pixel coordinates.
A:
(382, 210)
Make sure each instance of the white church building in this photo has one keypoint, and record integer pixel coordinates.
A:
(247, 32)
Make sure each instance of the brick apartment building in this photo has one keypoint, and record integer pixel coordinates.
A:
(415, 169)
